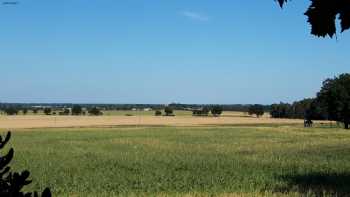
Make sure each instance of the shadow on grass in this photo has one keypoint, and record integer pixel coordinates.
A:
(317, 184)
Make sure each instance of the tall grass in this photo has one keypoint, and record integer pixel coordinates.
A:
(177, 161)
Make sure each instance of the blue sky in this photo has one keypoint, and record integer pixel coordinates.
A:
(159, 51)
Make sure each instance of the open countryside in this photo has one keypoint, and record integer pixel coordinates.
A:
(229, 118)
(180, 98)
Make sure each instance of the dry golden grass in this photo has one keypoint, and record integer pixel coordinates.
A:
(41, 121)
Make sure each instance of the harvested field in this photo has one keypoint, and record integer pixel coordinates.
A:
(37, 121)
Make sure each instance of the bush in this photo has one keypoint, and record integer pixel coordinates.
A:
(11, 183)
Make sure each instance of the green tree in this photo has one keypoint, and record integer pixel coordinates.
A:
(35, 110)
(322, 15)
(24, 111)
(216, 110)
(157, 113)
(11, 111)
(95, 111)
(168, 111)
(77, 110)
(257, 110)
(47, 110)
(334, 96)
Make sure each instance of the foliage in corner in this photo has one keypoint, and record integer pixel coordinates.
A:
(322, 15)
(11, 183)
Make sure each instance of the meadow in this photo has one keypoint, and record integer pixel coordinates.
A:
(269, 160)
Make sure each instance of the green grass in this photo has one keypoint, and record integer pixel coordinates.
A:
(173, 161)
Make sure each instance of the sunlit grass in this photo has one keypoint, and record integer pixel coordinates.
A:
(185, 161)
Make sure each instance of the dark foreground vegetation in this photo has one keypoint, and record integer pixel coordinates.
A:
(206, 161)
(12, 183)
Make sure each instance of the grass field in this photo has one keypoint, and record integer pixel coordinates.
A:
(186, 161)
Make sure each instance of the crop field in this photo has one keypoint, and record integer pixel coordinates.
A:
(52, 121)
(186, 161)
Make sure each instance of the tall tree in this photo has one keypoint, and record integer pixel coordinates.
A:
(322, 15)
(47, 111)
(77, 110)
(216, 110)
(335, 98)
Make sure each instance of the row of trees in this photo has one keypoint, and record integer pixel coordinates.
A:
(204, 111)
(331, 103)
(305, 109)
(257, 110)
(75, 110)
(215, 110)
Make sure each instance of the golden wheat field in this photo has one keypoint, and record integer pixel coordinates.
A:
(42, 121)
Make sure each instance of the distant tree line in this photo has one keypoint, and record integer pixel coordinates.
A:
(332, 102)
(308, 108)
(215, 110)
(257, 110)
(61, 108)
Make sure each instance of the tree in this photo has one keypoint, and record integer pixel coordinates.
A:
(334, 96)
(47, 110)
(216, 110)
(66, 111)
(168, 111)
(257, 110)
(77, 110)
(95, 111)
(25, 111)
(11, 111)
(322, 15)
(35, 111)
(204, 111)
(11, 183)
(158, 113)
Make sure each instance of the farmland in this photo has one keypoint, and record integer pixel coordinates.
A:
(269, 160)
(42, 121)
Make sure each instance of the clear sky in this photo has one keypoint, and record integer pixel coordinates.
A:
(161, 51)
